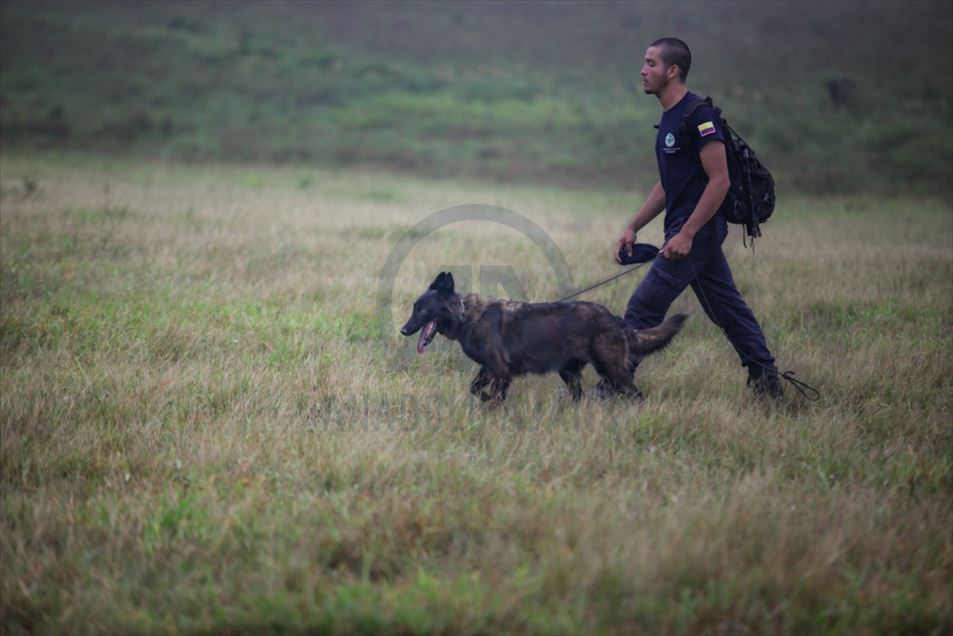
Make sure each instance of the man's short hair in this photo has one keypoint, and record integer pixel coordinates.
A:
(674, 51)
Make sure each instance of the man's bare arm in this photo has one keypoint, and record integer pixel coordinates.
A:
(715, 163)
(651, 208)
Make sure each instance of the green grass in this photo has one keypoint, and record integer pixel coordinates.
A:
(512, 92)
(205, 428)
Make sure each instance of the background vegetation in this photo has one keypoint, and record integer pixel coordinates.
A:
(836, 96)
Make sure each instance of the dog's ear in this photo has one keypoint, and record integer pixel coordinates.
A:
(438, 281)
(443, 283)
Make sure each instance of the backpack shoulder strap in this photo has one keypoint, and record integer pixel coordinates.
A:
(690, 111)
(684, 127)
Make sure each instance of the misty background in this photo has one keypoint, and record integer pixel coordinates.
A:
(836, 97)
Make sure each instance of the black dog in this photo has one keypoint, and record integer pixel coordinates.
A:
(508, 338)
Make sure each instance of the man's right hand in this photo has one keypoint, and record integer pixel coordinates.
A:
(626, 240)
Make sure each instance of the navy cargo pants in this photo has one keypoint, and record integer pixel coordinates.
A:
(707, 271)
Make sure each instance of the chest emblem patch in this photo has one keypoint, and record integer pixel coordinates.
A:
(669, 140)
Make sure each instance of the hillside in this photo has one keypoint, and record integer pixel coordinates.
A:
(837, 97)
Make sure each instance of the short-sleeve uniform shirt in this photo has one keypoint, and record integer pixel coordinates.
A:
(680, 169)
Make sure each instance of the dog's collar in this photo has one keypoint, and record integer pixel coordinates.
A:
(456, 322)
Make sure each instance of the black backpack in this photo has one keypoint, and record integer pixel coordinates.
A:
(750, 198)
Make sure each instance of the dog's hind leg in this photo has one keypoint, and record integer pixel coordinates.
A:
(611, 362)
(607, 388)
(572, 376)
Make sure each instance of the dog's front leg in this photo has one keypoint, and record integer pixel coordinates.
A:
(498, 389)
(480, 380)
(494, 372)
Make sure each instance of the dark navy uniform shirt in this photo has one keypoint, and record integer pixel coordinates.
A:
(680, 169)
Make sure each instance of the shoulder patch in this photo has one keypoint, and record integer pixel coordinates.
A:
(708, 128)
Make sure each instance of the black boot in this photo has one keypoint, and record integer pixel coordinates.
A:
(765, 382)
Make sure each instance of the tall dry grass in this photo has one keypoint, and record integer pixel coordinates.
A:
(204, 428)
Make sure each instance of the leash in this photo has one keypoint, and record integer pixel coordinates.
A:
(805, 389)
(608, 280)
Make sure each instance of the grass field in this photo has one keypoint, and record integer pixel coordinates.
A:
(205, 427)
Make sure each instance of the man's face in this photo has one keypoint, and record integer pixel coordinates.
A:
(654, 74)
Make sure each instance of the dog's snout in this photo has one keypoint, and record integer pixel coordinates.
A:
(405, 331)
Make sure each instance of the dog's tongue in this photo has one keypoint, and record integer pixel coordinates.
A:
(426, 334)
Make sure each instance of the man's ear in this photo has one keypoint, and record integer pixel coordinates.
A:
(678, 71)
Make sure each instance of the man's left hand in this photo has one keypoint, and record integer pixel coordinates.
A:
(678, 247)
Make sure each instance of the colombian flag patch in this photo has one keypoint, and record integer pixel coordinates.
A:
(707, 128)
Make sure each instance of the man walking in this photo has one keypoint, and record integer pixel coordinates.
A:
(693, 181)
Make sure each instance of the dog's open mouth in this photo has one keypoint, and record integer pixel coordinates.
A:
(426, 335)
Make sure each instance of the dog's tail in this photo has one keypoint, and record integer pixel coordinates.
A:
(645, 341)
